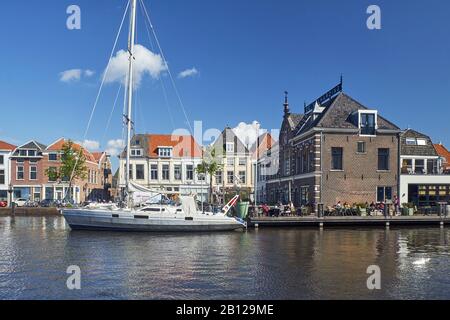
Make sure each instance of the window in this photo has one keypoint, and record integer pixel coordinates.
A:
(304, 161)
(165, 172)
(51, 177)
(383, 159)
(190, 172)
(136, 152)
(230, 177)
(33, 173)
(140, 175)
(32, 153)
(37, 194)
(411, 141)
(2, 176)
(407, 166)
(2, 159)
(20, 160)
(421, 142)
(304, 195)
(361, 147)
(242, 177)
(336, 158)
(230, 161)
(432, 166)
(165, 152)
(20, 173)
(23, 153)
(178, 172)
(287, 163)
(124, 169)
(367, 123)
(230, 147)
(201, 177)
(384, 193)
(311, 160)
(420, 166)
(242, 161)
(154, 172)
(219, 177)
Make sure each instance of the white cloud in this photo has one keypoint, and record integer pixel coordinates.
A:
(248, 132)
(115, 147)
(90, 145)
(188, 73)
(70, 75)
(73, 75)
(89, 73)
(146, 62)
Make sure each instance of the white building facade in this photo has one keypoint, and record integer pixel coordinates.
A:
(5, 169)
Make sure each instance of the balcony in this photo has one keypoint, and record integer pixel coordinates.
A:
(423, 171)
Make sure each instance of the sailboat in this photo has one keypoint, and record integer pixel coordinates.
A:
(156, 216)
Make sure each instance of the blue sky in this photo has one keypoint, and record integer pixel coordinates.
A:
(247, 53)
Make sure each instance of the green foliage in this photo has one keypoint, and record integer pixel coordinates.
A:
(73, 165)
(209, 167)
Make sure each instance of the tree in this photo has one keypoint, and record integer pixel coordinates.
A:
(209, 167)
(73, 166)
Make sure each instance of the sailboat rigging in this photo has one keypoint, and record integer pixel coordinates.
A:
(153, 216)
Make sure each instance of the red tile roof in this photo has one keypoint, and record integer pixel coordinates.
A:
(183, 146)
(6, 146)
(443, 152)
(58, 146)
(97, 155)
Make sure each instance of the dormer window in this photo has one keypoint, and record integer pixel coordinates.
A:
(165, 152)
(136, 152)
(32, 153)
(367, 122)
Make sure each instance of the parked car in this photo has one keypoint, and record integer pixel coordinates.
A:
(20, 202)
(3, 204)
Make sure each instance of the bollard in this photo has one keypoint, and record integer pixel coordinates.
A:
(256, 226)
(321, 225)
(441, 224)
(387, 224)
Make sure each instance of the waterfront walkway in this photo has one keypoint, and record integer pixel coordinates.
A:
(312, 221)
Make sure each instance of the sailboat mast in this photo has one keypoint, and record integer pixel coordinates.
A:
(131, 40)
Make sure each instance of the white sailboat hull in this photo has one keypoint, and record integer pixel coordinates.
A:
(135, 221)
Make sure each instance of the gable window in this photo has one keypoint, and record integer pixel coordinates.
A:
(32, 153)
(383, 159)
(421, 142)
(140, 172)
(230, 147)
(165, 152)
(136, 152)
(154, 172)
(33, 173)
(19, 174)
(367, 123)
(361, 147)
(411, 141)
(336, 158)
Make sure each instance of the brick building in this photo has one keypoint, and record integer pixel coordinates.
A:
(337, 150)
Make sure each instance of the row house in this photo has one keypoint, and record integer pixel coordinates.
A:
(423, 179)
(444, 157)
(165, 163)
(265, 152)
(338, 150)
(237, 171)
(30, 162)
(5, 168)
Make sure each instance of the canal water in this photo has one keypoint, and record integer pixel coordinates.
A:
(257, 264)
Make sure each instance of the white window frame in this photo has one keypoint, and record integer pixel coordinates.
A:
(165, 152)
(36, 171)
(360, 113)
(229, 147)
(23, 173)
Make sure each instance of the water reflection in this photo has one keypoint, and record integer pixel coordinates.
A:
(256, 264)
